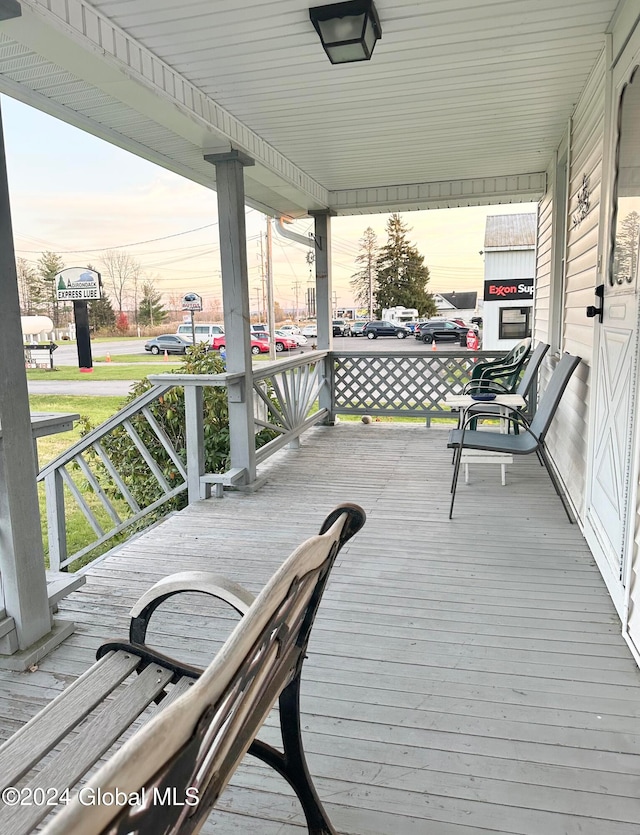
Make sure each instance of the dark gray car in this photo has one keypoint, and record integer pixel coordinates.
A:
(372, 330)
(441, 330)
(169, 342)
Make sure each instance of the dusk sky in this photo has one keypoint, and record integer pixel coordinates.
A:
(78, 196)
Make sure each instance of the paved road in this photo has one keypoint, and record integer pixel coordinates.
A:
(114, 388)
(68, 354)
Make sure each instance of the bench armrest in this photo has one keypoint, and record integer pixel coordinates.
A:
(200, 581)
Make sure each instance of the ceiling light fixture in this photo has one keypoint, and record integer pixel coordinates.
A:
(348, 31)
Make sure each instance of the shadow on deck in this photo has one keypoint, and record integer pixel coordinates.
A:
(464, 676)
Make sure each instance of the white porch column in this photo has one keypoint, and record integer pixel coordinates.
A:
(21, 553)
(324, 301)
(235, 303)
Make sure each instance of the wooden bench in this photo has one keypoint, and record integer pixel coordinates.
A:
(205, 721)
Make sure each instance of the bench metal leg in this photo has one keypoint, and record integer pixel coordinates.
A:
(292, 765)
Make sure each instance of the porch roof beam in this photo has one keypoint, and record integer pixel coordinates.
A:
(447, 194)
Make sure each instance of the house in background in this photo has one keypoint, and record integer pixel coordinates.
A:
(456, 305)
(509, 271)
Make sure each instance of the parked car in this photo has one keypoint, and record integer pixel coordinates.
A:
(204, 332)
(341, 327)
(372, 330)
(310, 330)
(258, 327)
(442, 330)
(476, 320)
(290, 329)
(169, 342)
(284, 343)
(357, 327)
(258, 346)
(298, 338)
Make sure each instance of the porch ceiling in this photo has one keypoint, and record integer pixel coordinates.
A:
(463, 102)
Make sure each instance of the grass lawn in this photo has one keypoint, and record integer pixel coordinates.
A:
(148, 358)
(102, 372)
(96, 409)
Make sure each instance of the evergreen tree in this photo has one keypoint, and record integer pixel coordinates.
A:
(363, 282)
(49, 265)
(401, 276)
(151, 310)
(101, 314)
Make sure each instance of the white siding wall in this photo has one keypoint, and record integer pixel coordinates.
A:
(567, 438)
(542, 289)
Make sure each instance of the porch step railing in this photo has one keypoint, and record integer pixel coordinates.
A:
(86, 477)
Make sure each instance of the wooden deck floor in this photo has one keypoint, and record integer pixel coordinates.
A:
(464, 676)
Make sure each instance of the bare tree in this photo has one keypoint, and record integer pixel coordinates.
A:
(121, 274)
(30, 287)
(363, 281)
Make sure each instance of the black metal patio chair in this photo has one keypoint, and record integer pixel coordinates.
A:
(531, 439)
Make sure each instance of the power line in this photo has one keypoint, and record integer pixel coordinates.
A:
(124, 246)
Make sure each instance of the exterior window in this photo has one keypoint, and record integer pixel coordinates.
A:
(626, 215)
(515, 323)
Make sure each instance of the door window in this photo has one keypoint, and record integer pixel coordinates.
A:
(626, 210)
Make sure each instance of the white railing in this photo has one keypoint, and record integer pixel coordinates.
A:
(290, 393)
(93, 479)
(117, 491)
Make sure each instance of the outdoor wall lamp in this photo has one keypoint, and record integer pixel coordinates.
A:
(348, 31)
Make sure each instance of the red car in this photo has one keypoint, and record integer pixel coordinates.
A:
(258, 346)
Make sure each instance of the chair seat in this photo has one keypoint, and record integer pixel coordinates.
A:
(522, 444)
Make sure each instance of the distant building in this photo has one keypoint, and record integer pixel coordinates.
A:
(509, 270)
(456, 305)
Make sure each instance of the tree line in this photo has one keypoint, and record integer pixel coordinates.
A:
(125, 288)
(392, 275)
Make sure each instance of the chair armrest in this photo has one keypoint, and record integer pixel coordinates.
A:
(184, 581)
(516, 417)
(485, 385)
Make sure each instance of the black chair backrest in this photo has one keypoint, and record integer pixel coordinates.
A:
(552, 394)
(531, 371)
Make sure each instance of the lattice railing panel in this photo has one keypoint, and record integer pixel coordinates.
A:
(409, 384)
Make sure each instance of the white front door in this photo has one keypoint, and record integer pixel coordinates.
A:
(610, 508)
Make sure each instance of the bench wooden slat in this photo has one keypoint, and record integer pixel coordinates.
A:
(37, 738)
(89, 744)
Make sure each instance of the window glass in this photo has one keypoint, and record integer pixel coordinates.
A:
(626, 211)
(515, 323)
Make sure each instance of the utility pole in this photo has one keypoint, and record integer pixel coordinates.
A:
(334, 299)
(296, 290)
(271, 317)
(263, 278)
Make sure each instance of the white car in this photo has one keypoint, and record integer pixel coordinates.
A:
(290, 329)
(310, 330)
(298, 338)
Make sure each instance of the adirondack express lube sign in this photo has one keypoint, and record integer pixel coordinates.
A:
(77, 284)
(512, 289)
